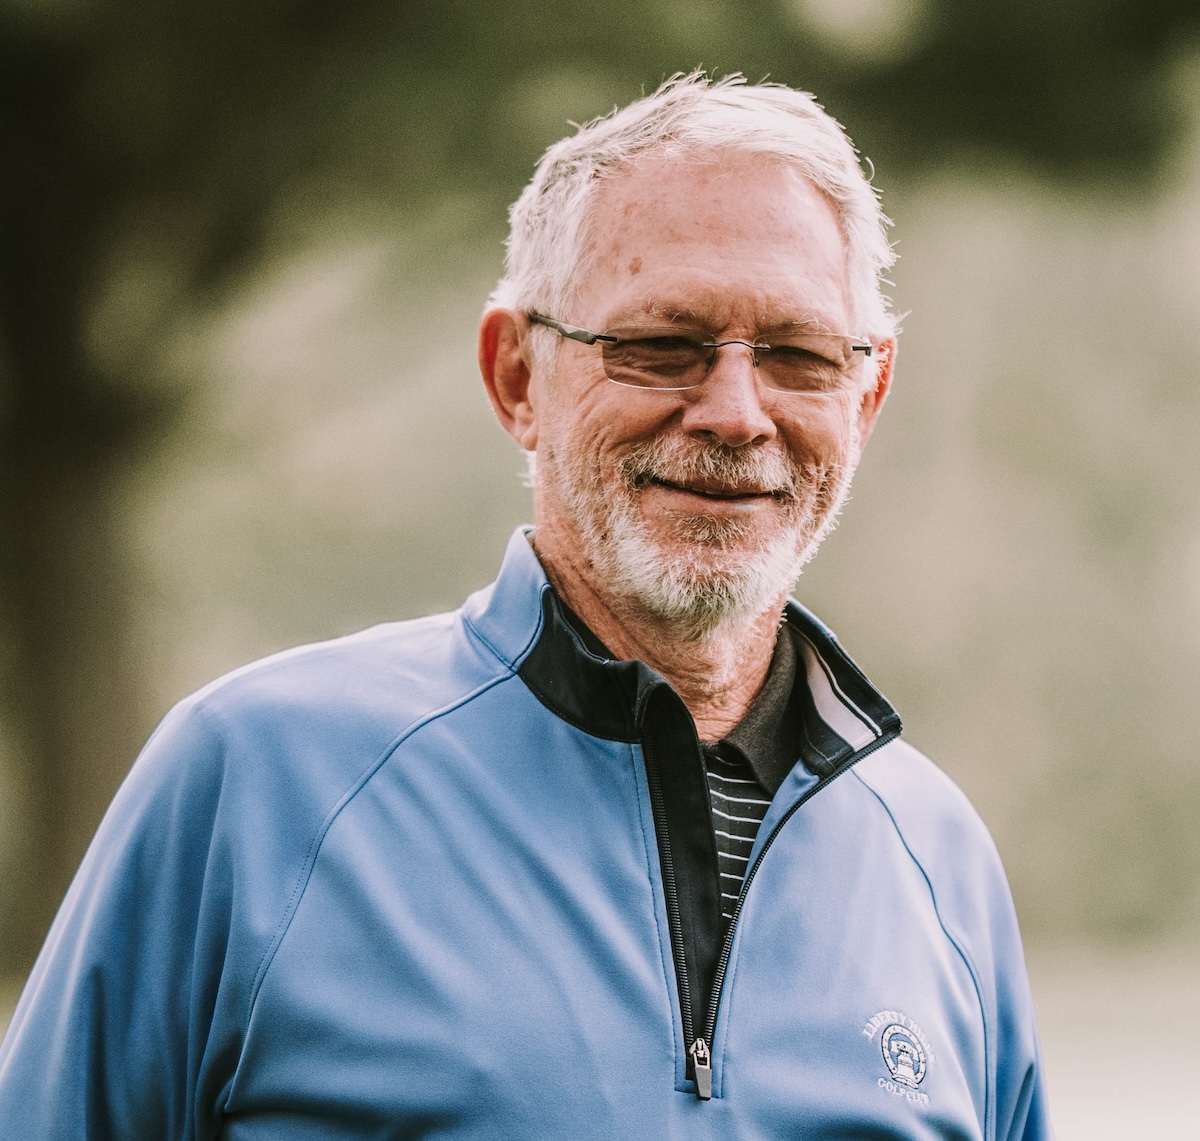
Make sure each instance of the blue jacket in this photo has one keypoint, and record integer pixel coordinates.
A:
(433, 880)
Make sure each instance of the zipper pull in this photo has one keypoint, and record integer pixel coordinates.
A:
(703, 1066)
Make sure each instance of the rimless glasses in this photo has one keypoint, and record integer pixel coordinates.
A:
(671, 360)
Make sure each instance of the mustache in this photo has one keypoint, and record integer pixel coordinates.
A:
(682, 461)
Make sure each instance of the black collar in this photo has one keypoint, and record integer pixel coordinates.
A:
(829, 709)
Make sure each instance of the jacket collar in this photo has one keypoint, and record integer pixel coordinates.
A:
(519, 617)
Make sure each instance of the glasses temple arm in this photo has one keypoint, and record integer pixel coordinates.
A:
(571, 332)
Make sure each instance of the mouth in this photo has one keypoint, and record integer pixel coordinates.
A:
(713, 490)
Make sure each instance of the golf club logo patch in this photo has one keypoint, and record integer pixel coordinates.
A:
(903, 1055)
(906, 1054)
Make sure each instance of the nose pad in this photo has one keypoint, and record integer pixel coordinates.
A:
(714, 346)
(729, 404)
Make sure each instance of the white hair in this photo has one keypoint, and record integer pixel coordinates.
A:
(691, 116)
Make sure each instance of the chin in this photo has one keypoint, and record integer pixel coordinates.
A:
(697, 573)
(698, 585)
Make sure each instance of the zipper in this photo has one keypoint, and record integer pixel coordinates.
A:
(700, 1049)
(702, 1063)
(671, 892)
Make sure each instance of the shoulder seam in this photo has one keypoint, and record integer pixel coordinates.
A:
(512, 666)
(310, 859)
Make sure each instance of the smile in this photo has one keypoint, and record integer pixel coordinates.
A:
(714, 492)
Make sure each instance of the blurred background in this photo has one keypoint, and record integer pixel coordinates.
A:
(243, 249)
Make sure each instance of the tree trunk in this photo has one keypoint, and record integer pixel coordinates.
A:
(72, 689)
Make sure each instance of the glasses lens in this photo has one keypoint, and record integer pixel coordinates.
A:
(657, 361)
(814, 362)
(800, 363)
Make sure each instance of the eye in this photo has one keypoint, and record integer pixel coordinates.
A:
(799, 355)
(810, 364)
(666, 355)
(672, 344)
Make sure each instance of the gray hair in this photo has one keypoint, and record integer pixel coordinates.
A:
(691, 116)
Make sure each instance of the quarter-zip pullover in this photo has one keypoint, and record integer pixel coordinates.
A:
(440, 879)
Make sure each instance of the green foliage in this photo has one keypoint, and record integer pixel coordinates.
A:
(173, 136)
(113, 112)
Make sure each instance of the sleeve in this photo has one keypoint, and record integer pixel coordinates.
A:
(124, 1021)
(1029, 1119)
(993, 936)
(951, 844)
(1022, 1113)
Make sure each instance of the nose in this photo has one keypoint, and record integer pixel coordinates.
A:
(728, 406)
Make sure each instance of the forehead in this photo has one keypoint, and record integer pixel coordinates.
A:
(737, 241)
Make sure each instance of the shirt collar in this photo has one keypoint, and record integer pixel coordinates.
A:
(769, 738)
(520, 620)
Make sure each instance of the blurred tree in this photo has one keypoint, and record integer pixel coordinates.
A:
(145, 147)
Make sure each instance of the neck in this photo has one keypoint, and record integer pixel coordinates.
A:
(717, 675)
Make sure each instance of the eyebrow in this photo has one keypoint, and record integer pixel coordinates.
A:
(694, 319)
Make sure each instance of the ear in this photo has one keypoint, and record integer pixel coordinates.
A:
(872, 398)
(505, 366)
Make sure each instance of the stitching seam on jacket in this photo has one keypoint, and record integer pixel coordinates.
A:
(310, 860)
(989, 1086)
(533, 638)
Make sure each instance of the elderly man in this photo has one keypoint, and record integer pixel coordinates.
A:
(627, 846)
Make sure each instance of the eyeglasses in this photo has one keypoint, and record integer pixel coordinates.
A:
(669, 360)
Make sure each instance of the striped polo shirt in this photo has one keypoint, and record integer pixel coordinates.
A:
(747, 766)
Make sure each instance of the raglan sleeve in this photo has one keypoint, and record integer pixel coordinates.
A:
(975, 908)
(1027, 1117)
(119, 1034)
(1022, 1113)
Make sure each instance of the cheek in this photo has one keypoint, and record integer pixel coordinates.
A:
(603, 424)
(824, 432)
(578, 446)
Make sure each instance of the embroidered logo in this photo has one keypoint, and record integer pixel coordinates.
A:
(906, 1054)
(903, 1055)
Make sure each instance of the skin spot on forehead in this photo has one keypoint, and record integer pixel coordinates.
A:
(747, 241)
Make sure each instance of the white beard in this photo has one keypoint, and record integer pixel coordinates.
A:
(713, 573)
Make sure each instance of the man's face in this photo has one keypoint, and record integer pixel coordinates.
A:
(699, 507)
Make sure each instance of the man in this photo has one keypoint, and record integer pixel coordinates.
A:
(628, 846)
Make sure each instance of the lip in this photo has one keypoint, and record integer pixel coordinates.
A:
(714, 491)
(714, 497)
